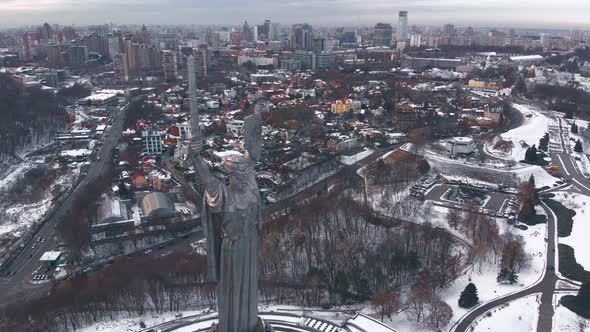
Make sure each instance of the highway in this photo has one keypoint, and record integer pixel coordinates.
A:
(18, 284)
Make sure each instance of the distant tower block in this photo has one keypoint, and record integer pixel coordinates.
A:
(402, 26)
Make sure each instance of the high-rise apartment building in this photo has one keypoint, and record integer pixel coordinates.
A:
(301, 36)
(274, 31)
(200, 55)
(55, 57)
(170, 66)
(449, 30)
(69, 33)
(382, 34)
(120, 68)
(402, 26)
(415, 40)
(323, 45)
(46, 32)
(96, 43)
(76, 55)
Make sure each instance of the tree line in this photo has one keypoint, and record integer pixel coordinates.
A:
(30, 117)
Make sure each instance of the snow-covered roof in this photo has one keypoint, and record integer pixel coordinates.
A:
(50, 256)
(526, 57)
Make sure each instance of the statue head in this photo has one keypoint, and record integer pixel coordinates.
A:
(235, 166)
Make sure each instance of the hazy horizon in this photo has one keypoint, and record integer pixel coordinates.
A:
(566, 14)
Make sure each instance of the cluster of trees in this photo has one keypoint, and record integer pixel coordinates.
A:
(390, 179)
(534, 156)
(567, 98)
(75, 223)
(333, 251)
(480, 230)
(30, 117)
(130, 285)
(488, 246)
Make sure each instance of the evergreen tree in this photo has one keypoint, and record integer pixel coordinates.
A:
(544, 142)
(574, 128)
(531, 154)
(569, 114)
(468, 297)
(506, 276)
(583, 297)
(527, 155)
(512, 277)
(578, 146)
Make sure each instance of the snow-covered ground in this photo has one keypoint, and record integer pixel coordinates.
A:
(542, 178)
(566, 320)
(519, 316)
(18, 218)
(487, 173)
(581, 228)
(534, 126)
(132, 324)
(350, 160)
(14, 175)
(485, 277)
(485, 280)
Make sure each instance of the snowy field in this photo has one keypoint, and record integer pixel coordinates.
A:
(581, 228)
(519, 316)
(534, 126)
(565, 320)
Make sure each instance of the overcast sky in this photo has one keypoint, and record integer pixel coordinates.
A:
(517, 13)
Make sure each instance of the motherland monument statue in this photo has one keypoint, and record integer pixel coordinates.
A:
(230, 216)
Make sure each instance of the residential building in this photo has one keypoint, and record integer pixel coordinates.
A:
(200, 55)
(301, 36)
(76, 55)
(415, 40)
(121, 69)
(152, 142)
(170, 66)
(382, 34)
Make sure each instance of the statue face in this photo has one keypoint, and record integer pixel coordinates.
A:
(235, 166)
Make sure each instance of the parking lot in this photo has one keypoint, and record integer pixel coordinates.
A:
(493, 203)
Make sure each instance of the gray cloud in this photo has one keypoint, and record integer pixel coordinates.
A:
(563, 13)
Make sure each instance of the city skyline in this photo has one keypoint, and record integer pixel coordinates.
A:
(529, 13)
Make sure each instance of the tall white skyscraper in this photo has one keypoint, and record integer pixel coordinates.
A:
(402, 26)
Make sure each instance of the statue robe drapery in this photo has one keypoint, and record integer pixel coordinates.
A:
(229, 218)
